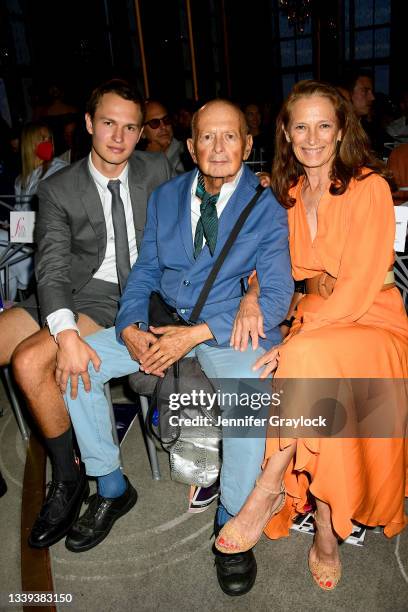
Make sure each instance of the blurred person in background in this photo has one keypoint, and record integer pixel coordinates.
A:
(57, 112)
(78, 142)
(260, 158)
(158, 135)
(182, 116)
(360, 85)
(398, 129)
(37, 163)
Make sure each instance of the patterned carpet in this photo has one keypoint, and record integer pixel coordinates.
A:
(159, 556)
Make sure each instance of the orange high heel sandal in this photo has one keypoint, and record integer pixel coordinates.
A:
(229, 532)
(325, 575)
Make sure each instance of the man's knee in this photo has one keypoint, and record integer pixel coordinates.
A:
(33, 358)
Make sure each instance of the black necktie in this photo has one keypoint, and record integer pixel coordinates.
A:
(207, 225)
(121, 236)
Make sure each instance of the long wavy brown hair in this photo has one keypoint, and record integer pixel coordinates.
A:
(352, 153)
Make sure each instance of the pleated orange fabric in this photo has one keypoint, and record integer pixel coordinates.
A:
(358, 332)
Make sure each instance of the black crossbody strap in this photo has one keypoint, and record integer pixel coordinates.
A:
(221, 257)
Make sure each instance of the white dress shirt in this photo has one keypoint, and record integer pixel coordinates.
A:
(226, 192)
(64, 318)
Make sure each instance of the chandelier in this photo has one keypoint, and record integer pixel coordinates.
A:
(298, 12)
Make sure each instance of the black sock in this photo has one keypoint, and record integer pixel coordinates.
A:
(61, 452)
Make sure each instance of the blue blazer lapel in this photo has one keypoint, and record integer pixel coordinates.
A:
(184, 218)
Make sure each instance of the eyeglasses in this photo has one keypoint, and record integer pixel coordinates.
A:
(155, 123)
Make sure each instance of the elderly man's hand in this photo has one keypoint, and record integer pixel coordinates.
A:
(137, 341)
(248, 323)
(174, 342)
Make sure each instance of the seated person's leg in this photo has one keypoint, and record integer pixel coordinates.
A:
(265, 500)
(242, 457)
(16, 324)
(89, 412)
(34, 370)
(241, 463)
(91, 420)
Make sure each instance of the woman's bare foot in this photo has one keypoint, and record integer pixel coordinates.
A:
(244, 530)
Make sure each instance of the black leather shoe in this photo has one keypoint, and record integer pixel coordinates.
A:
(236, 573)
(98, 519)
(60, 511)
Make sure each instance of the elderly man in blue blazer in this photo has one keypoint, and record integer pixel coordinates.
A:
(177, 254)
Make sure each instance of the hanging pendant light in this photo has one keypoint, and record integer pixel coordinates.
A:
(297, 11)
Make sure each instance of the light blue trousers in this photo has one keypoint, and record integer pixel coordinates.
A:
(242, 457)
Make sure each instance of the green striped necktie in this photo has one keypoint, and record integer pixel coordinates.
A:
(207, 226)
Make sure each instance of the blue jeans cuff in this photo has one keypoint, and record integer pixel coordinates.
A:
(223, 516)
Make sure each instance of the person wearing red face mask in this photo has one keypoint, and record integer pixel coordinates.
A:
(38, 162)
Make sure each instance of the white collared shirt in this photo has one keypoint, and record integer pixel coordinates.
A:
(226, 192)
(107, 270)
(64, 318)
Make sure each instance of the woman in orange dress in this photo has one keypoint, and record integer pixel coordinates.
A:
(350, 324)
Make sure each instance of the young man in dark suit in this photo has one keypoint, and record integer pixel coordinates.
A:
(88, 231)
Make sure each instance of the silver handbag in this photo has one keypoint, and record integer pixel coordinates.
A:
(189, 433)
(196, 460)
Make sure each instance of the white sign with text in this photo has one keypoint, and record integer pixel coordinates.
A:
(22, 226)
